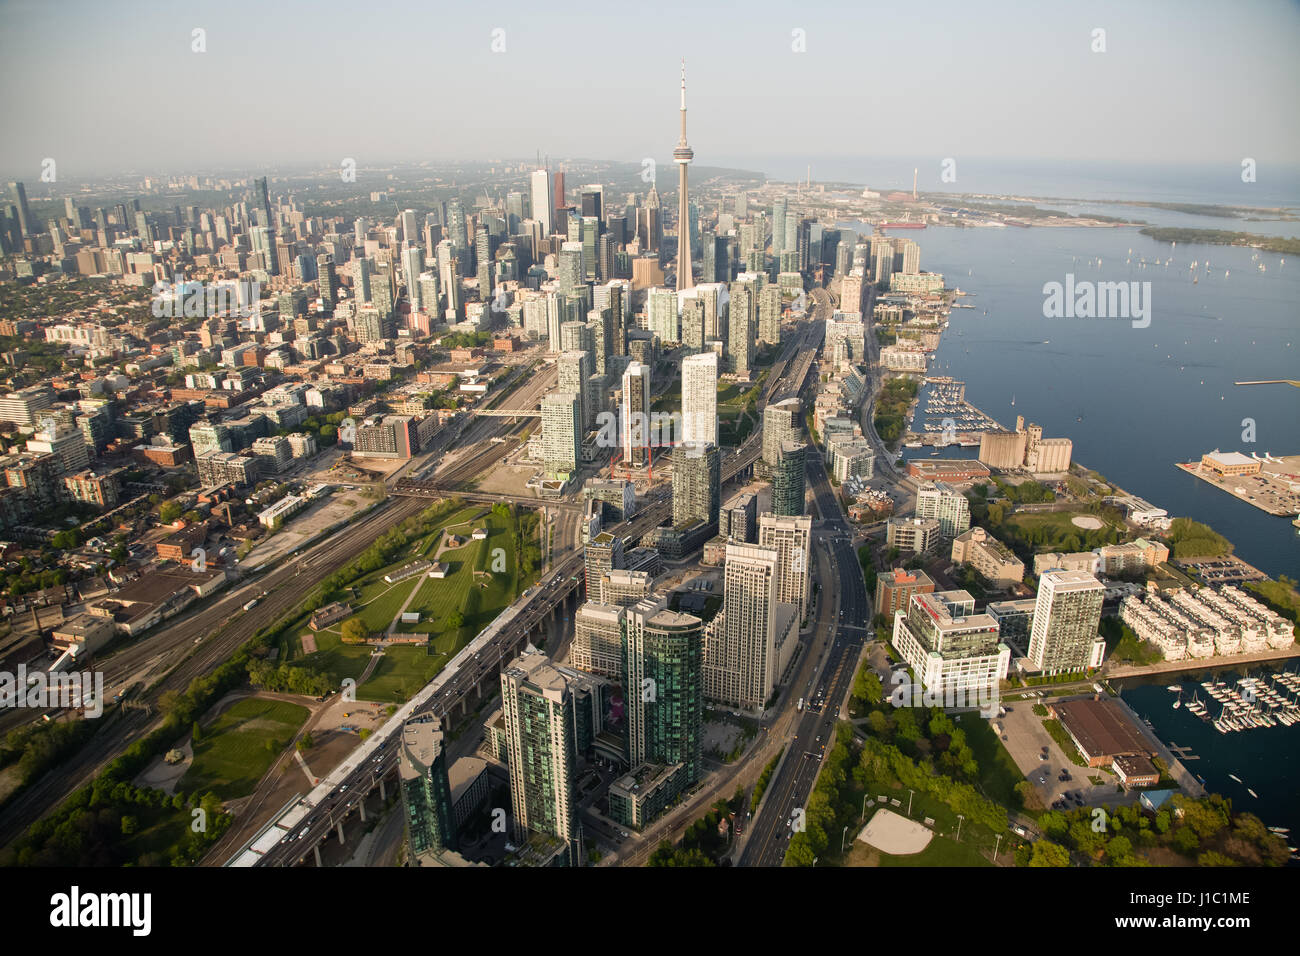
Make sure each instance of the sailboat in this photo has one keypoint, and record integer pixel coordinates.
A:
(1013, 400)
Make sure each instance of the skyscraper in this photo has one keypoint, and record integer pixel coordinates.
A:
(782, 422)
(740, 660)
(791, 536)
(542, 205)
(938, 499)
(696, 484)
(537, 704)
(1066, 616)
(636, 414)
(788, 479)
(682, 156)
(561, 433)
(662, 671)
(426, 790)
(700, 398)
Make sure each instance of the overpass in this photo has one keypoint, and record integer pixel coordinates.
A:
(507, 412)
(418, 488)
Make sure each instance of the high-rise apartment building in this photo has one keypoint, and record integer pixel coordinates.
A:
(700, 398)
(791, 536)
(636, 414)
(1064, 637)
(537, 705)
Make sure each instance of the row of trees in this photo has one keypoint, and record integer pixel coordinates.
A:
(1203, 830)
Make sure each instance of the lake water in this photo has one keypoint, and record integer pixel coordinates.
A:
(1133, 400)
(1266, 759)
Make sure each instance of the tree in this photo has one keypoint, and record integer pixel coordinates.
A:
(169, 511)
(196, 733)
(1047, 853)
(353, 631)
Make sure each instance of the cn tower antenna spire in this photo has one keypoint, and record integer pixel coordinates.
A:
(682, 156)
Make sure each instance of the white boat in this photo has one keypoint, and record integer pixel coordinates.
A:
(1252, 793)
(1175, 688)
(1235, 777)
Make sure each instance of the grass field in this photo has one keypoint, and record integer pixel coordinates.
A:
(477, 597)
(239, 746)
(940, 852)
(998, 772)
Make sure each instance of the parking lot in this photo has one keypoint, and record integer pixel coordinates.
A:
(1025, 741)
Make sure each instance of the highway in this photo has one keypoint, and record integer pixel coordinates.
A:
(792, 783)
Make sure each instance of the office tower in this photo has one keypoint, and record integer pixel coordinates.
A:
(740, 337)
(561, 433)
(692, 321)
(573, 374)
(412, 266)
(769, 315)
(426, 790)
(649, 231)
(682, 156)
(542, 206)
(700, 398)
(514, 211)
(483, 251)
(661, 315)
(429, 292)
(602, 553)
(779, 213)
(949, 647)
(407, 223)
(327, 279)
(537, 704)
(592, 202)
(18, 196)
(782, 422)
(696, 484)
(449, 276)
(843, 258)
(740, 662)
(938, 499)
(788, 479)
(606, 257)
(791, 536)
(636, 414)
(1066, 616)
(557, 188)
(262, 243)
(663, 676)
(590, 232)
(262, 196)
(457, 226)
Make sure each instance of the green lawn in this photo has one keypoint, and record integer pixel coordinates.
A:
(239, 746)
(478, 598)
(998, 772)
(940, 852)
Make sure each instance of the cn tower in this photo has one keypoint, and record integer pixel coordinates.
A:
(682, 156)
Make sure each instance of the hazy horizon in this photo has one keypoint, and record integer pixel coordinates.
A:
(1188, 85)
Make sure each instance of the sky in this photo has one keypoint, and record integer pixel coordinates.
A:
(110, 87)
